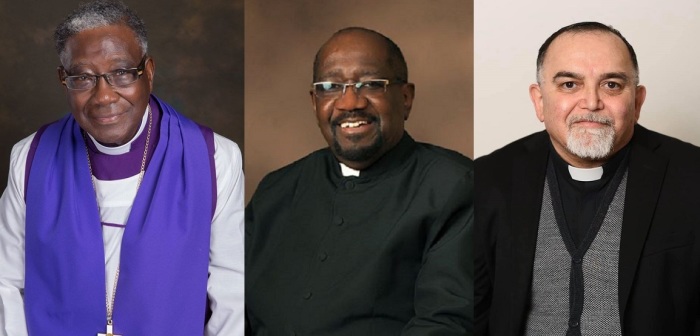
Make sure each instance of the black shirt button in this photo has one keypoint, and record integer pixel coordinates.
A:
(337, 220)
(573, 324)
(308, 295)
(322, 256)
(349, 185)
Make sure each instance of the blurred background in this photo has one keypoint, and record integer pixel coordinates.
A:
(281, 40)
(197, 46)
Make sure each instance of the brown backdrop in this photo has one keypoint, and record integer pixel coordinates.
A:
(282, 37)
(197, 46)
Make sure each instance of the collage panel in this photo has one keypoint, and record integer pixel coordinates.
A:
(121, 130)
(353, 226)
(586, 168)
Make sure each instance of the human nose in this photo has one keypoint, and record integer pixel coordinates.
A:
(104, 91)
(591, 99)
(350, 99)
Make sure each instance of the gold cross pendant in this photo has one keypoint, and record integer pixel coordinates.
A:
(109, 331)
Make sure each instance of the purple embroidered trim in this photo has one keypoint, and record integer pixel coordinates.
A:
(114, 225)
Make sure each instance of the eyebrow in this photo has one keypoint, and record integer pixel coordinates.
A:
(616, 75)
(339, 73)
(120, 62)
(610, 75)
(566, 74)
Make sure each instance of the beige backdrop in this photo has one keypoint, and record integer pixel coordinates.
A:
(282, 37)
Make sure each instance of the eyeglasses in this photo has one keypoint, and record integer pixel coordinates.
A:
(368, 88)
(119, 77)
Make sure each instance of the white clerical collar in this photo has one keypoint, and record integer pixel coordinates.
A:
(347, 171)
(586, 174)
(125, 148)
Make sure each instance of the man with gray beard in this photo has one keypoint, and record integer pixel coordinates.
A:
(588, 227)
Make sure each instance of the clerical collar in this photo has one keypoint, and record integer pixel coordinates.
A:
(347, 171)
(125, 148)
(387, 164)
(585, 174)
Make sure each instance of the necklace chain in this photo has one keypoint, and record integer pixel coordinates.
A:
(109, 299)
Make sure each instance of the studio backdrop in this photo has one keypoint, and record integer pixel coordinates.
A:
(197, 47)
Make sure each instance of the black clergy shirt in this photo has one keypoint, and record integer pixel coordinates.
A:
(581, 200)
(385, 253)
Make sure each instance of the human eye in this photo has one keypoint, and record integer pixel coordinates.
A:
(328, 87)
(372, 85)
(610, 85)
(568, 85)
(122, 77)
(82, 78)
(119, 72)
(79, 82)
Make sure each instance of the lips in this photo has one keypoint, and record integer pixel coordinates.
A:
(106, 120)
(590, 119)
(353, 119)
(353, 124)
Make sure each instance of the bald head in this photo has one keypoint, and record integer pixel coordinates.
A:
(352, 37)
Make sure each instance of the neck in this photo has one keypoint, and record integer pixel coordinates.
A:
(116, 149)
(580, 162)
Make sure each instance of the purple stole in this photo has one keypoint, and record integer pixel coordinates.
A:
(165, 249)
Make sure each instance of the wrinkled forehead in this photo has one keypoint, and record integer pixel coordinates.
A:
(354, 55)
(592, 48)
(114, 40)
(591, 43)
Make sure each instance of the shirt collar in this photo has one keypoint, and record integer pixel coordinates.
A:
(125, 148)
(582, 175)
(347, 171)
(391, 160)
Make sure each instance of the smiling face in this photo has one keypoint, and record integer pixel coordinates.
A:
(588, 97)
(360, 128)
(112, 115)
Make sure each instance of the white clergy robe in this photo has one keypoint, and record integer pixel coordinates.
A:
(225, 285)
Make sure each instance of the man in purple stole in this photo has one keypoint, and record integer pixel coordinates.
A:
(124, 217)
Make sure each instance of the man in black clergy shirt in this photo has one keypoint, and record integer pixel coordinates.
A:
(372, 235)
(589, 227)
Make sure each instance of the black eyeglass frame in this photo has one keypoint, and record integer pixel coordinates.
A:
(107, 76)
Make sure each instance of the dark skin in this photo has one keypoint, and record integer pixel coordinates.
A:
(112, 115)
(351, 57)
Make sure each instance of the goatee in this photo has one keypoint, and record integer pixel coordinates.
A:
(591, 143)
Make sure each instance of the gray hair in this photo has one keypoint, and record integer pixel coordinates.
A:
(585, 27)
(97, 14)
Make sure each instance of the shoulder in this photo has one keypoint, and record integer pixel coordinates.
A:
(21, 148)
(226, 150)
(673, 149)
(287, 176)
(228, 165)
(514, 149)
(500, 162)
(18, 156)
(443, 161)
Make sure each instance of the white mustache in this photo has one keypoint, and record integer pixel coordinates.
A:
(590, 117)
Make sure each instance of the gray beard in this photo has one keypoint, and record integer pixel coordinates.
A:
(592, 144)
